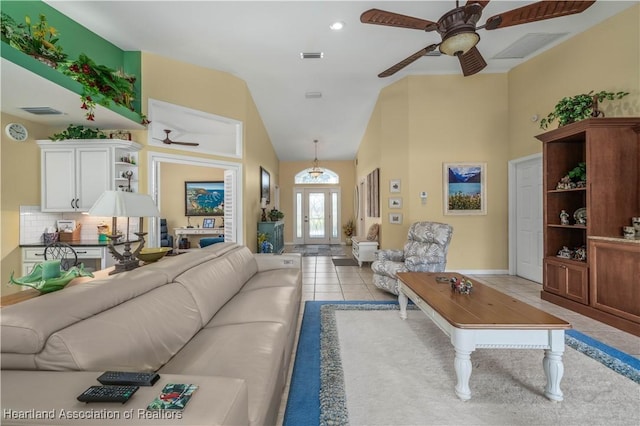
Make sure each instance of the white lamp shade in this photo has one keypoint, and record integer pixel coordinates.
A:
(124, 204)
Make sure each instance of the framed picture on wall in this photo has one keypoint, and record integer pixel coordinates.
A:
(395, 203)
(395, 218)
(208, 222)
(394, 185)
(204, 198)
(464, 188)
(265, 185)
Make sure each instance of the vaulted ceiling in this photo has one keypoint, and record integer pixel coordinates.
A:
(261, 42)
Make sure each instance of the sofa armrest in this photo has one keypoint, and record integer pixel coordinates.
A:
(218, 400)
(392, 255)
(268, 261)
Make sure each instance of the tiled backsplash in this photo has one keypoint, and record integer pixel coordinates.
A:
(33, 224)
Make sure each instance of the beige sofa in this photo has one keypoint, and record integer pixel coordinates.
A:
(222, 318)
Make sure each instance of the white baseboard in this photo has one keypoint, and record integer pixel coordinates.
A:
(480, 271)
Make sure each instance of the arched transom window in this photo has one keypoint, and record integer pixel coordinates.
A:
(328, 176)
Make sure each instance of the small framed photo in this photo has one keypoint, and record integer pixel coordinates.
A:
(395, 218)
(120, 134)
(395, 203)
(394, 185)
(208, 222)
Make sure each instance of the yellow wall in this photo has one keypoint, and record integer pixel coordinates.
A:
(222, 94)
(20, 185)
(424, 121)
(607, 57)
(172, 179)
(289, 169)
(421, 122)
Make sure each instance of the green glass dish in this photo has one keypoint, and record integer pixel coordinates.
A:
(35, 280)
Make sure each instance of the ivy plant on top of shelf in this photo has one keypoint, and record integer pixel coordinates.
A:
(579, 107)
(99, 82)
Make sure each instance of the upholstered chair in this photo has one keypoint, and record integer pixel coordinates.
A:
(166, 239)
(425, 251)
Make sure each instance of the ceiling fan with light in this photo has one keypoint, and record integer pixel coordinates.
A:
(458, 28)
(168, 141)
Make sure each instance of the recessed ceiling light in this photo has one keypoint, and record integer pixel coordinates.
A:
(337, 26)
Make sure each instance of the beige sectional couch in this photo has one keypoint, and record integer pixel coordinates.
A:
(222, 318)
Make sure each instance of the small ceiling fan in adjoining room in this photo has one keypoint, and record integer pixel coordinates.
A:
(168, 141)
(457, 28)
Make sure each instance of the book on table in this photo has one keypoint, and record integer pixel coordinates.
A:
(174, 396)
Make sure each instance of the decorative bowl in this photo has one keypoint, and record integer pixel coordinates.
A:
(149, 255)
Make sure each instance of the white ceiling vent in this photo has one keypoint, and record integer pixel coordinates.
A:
(313, 95)
(434, 53)
(528, 44)
(311, 55)
(42, 110)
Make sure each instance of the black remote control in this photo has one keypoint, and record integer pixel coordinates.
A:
(128, 378)
(108, 394)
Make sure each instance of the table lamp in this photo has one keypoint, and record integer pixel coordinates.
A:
(124, 204)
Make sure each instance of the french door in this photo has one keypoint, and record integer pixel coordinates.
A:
(317, 218)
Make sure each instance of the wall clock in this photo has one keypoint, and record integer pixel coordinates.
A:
(16, 131)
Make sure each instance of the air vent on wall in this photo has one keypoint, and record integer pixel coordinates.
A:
(311, 55)
(42, 110)
(528, 44)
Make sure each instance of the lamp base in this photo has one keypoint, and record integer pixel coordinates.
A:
(125, 266)
(264, 216)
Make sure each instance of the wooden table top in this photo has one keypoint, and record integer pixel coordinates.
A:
(483, 308)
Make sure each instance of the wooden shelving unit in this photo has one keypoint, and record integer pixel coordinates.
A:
(610, 147)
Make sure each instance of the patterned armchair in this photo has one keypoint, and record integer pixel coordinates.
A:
(425, 251)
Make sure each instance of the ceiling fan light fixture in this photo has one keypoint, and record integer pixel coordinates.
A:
(460, 43)
(337, 26)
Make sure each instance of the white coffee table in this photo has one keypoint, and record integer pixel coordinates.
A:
(485, 318)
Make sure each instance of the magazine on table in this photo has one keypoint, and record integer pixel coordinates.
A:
(174, 396)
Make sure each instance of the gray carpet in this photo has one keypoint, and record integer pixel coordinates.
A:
(401, 373)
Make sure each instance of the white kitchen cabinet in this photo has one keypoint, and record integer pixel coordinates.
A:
(75, 173)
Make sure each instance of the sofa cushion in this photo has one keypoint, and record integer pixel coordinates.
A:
(206, 242)
(141, 334)
(251, 351)
(274, 278)
(273, 304)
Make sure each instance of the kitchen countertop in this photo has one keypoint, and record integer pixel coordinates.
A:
(79, 243)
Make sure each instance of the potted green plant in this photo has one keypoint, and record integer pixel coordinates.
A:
(579, 107)
(78, 132)
(109, 84)
(275, 215)
(38, 40)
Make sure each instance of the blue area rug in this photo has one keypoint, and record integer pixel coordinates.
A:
(311, 403)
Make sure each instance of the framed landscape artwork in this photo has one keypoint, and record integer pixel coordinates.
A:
(204, 198)
(464, 188)
(265, 185)
(395, 203)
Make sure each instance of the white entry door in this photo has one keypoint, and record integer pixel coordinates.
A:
(528, 220)
(317, 216)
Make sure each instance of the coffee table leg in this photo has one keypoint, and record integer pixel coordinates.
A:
(554, 370)
(402, 301)
(462, 365)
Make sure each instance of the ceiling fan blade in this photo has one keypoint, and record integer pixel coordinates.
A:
(537, 12)
(397, 67)
(471, 62)
(169, 142)
(391, 19)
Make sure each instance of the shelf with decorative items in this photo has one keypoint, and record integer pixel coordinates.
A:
(126, 170)
(591, 169)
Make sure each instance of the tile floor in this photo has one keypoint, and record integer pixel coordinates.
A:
(321, 280)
